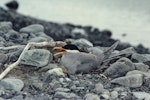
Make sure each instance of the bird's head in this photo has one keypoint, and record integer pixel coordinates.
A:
(65, 49)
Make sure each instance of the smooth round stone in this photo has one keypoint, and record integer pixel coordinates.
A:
(35, 28)
(114, 95)
(12, 83)
(91, 96)
(55, 71)
(36, 57)
(99, 87)
(3, 58)
(5, 27)
(38, 39)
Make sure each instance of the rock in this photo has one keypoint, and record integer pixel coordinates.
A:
(134, 72)
(132, 81)
(12, 5)
(13, 36)
(140, 57)
(141, 67)
(42, 34)
(55, 71)
(105, 96)
(80, 42)
(36, 57)
(63, 95)
(3, 58)
(91, 96)
(62, 90)
(114, 95)
(5, 27)
(12, 83)
(141, 95)
(119, 68)
(39, 39)
(35, 28)
(79, 33)
(99, 88)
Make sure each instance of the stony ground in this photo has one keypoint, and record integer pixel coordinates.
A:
(124, 75)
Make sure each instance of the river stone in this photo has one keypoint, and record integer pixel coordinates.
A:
(36, 57)
(12, 83)
(132, 81)
(119, 68)
(91, 96)
(141, 67)
(38, 39)
(32, 29)
(5, 27)
(65, 95)
(3, 58)
(146, 74)
(141, 95)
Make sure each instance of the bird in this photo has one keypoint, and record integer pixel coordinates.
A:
(81, 62)
(12, 5)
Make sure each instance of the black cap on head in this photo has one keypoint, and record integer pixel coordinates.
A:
(71, 47)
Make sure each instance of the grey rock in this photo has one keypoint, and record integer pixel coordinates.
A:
(91, 96)
(79, 33)
(141, 95)
(3, 58)
(99, 88)
(12, 35)
(105, 95)
(55, 71)
(119, 68)
(62, 90)
(39, 39)
(36, 57)
(80, 42)
(5, 27)
(141, 67)
(134, 72)
(66, 95)
(114, 95)
(12, 83)
(42, 34)
(141, 57)
(35, 28)
(129, 81)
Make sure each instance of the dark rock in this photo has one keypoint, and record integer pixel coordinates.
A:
(12, 83)
(36, 57)
(35, 28)
(3, 58)
(133, 81)
(119, 68)
(91, 96)
(12, 5)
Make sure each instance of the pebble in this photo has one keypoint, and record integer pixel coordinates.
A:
(134, 72)
(119, 68)
(36, 57)
(34, 28)
(141, 95)
(5, 27)
(55, 71)
(62, 90)
(99, 88)
(3, 58)
(91, 96)
(12, 83)
(114, 95)
(39, 39)
(65, 95)
(133, 81)
(141, 67)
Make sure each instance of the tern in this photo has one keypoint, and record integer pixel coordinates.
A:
(80, 62)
